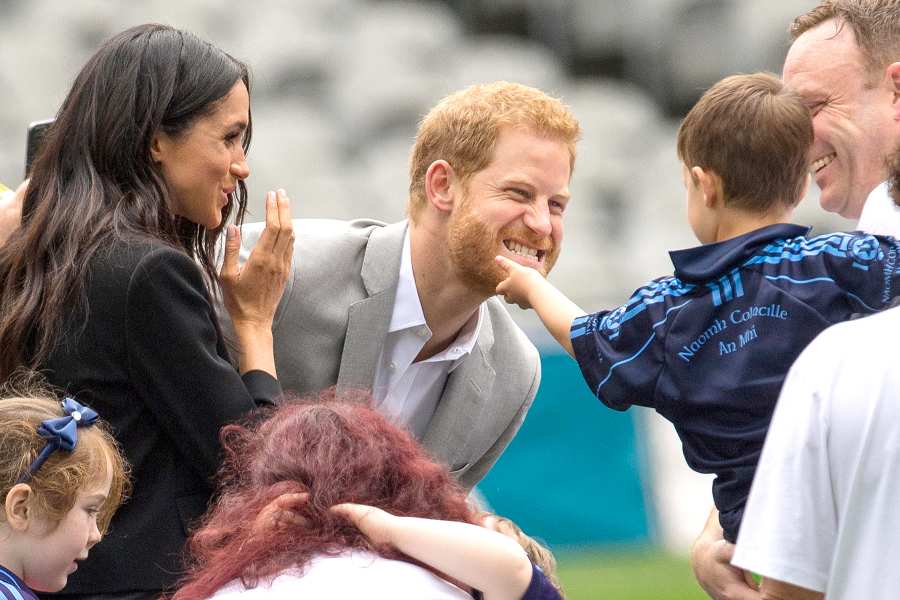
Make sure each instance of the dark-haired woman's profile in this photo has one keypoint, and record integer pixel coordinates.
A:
(108, 285)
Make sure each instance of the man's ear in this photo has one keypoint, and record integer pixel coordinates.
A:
(893, 75)
(439, 185)
(17, 506)
(711, 186)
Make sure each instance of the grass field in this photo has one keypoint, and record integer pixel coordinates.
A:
(632, 575)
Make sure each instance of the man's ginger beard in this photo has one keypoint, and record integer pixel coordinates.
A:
(472, 248)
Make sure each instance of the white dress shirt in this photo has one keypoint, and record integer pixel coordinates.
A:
(880, 215)
(408, 391)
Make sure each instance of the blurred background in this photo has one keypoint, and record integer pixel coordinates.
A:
(338, 88)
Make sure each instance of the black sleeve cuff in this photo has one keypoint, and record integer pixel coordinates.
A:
(263, 388)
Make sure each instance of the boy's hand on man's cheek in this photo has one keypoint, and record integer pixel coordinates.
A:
(519, 282)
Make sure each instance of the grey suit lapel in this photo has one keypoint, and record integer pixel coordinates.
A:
(368, 319)
(463, 405)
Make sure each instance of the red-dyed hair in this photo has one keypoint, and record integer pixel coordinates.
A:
(337, 450)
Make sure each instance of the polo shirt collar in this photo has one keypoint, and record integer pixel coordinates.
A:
(702, 263)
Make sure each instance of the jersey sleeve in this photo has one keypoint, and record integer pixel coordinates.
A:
(864, 268)
(540, 587)
(620, 352)
(177, 361)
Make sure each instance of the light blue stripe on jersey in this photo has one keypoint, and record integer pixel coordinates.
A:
(644, 347)
(13, 588)
(799, 281)
(738, 284)
(9, 586)
(819, 279)
(622, 362)
(10, 591)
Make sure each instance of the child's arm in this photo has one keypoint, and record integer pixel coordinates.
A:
(486, 560)
(528, 288)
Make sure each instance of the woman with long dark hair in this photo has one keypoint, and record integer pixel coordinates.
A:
(108, 285)
(332, 451)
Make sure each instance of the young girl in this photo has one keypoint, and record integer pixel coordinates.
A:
(61, 480)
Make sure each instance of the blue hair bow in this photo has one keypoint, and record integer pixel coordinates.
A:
(61, 433)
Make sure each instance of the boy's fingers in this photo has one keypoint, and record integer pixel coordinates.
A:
(505, 263)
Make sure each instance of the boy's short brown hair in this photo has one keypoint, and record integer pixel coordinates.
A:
(755, 135)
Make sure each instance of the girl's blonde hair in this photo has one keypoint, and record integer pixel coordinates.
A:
(57, 482)
(539, 554)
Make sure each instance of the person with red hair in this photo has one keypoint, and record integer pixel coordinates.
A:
(331, 451)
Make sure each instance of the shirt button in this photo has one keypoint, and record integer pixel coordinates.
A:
(392, 366)
(423, 332)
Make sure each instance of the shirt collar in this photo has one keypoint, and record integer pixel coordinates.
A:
(711, 260)
(407, 308)
(408, 313)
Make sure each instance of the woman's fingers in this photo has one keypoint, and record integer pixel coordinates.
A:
(285, 241)
(230, 268)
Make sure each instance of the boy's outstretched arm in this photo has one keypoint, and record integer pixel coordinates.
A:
(528, 288)
(484, 559)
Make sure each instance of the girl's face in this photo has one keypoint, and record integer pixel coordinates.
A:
(202, 166)
(55, 547)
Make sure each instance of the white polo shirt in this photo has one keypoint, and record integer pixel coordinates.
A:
(404, 390)
(824, 509)
(880, 215)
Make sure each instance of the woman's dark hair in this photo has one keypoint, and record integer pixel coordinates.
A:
(337, 450)
(93, 180)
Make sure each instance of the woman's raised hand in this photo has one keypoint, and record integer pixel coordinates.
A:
(251, 291)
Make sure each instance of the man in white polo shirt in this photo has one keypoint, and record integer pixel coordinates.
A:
(845, 64)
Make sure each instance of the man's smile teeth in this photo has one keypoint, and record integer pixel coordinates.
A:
(823, 162)
(523, 250)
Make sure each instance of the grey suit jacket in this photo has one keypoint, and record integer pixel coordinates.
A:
(333, 318)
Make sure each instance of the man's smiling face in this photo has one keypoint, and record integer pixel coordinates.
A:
(852, 116)
(512, 207)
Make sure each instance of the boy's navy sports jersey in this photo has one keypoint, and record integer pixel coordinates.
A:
(13, 588)
(710, 347)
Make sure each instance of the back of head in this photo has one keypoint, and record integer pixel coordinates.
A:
(537, 553)
(93, 178)
(58, 480)
(756, 136)
(463, 129)
(335, 449)
(875, 25)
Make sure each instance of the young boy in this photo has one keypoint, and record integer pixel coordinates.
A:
(709, 347)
